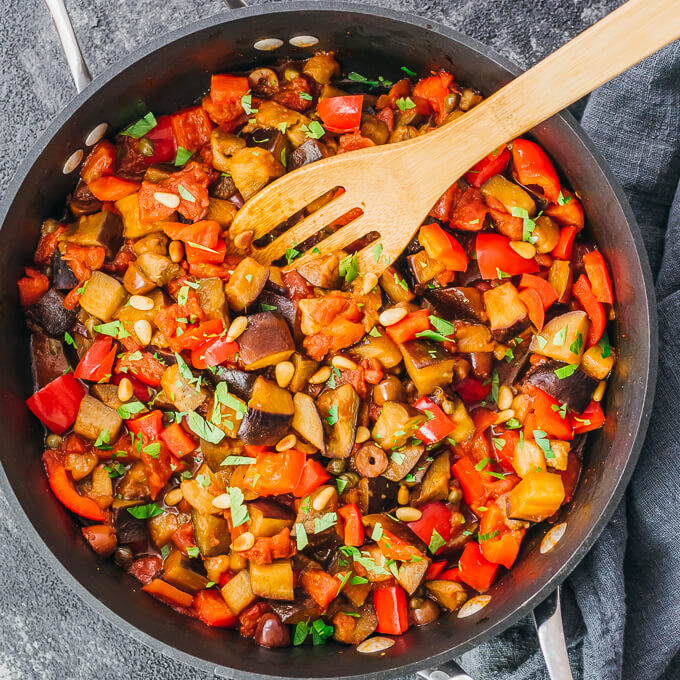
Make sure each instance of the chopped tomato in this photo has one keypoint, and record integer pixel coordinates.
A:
(191, 128)
(213, 610)
(276, 473)
(498, 543)
(470, 211)
(435, 89)
(341, 114)
(569, 212)
(112, 188)
(99, 162)
(32, 287)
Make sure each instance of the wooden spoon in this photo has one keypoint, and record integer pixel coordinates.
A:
(395, 185)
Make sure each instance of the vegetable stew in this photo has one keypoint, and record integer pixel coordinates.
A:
(310, 453)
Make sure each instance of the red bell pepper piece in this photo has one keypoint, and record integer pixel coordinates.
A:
(177, 440)
(391, 610)
(204, 255)
(198, 336)
(598, 275)
(192, 128)
(436, 517)
(483, 418)
(569, 213)
(562, 251)
(532, 300)
(313, 476)
(592, 418)
(497, 542)
(533, 168)
(146, 369)
(412, 323)
(274, 474)
(493, 164)
(341, 114)
(548, 417)
(213, 610)
(57, 404)
(354, 529)
(435, 570)
(164, 143)
(97, 362)
(320, 586)
(32, 286)
(442, 208)
(434, 90)
(395, 548)
(451, 575)
(438, 425)
(505, 455)
(441, 246)
(169, 594)
(593, 308)
(475, 570)
(158, 466)
(183, 537)
(213, 352)
(99, 162)
(541, 286)
(495, 257)
(62, 487)
(471, 481)
(112, 188)
(150, 425)
(472, 390)
(225, 88)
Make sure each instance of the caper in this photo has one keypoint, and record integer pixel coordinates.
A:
(455, 495)
(351, 479)
(451, 101)
(291, 73)
(336, 466)
(146, 147)
(416, 603)
(53, 441)
(123, 556)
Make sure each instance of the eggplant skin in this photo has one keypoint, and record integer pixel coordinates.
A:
(574, 390)
(62, 276)
(239, 382)
(50, 313)
(48, 359)
(455, 302)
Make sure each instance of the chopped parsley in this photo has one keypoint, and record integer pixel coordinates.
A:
(183, 155)
(405, 103)
(239, 511)
(349, 267)
(145, 511)
(141, 127)
(566, 371)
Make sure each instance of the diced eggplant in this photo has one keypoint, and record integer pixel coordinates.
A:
(181, 572)
(423, 268)
(265, 342)
(302, 608)
(322, 544)
(381, 348)
(151, 243)
(47, 359)
(509, 372)
(428, 364)
(134, 486)
(252, 169)
(501, 193)
(356, 593)
(402, 464)
(595, 364)
(129, 529)
(376, 493)
(135, 282)
(211, 533)
(183, 394)
(221, 211)
(103, 295)
(339, 410)
(50, 313)
(306, 153)
(411, 574)
(272, 581)
(227, 416)
(103, 229)
(396, 424)
(538, 496)
(506, 311)
(268, 518)
(224, 187)
(158, 268)
(63, 277)
(563, 338)
(94, 418)
(284, 306)
(351, 630)
(448, 594)
(390, 388)
(272, 140)
(322, 271)
(398, 529)
(269, 415)
(162, 527)
(133, 227)
(212, 299)
(237, 593)
(305, 368)
(394, 285)
(435, 484)
(83, 202)
(215, 454)
(239, 382)
(246, 284)
(307, 421)
(574, 390)
(107, 393)
(474, 339)
(455, 302)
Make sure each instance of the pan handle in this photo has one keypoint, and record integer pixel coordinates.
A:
(447, 671)
(548, 622)
(62, 22)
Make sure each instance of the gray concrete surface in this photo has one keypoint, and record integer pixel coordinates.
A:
(46, 632)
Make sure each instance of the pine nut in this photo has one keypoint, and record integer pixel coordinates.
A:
(243, 240)
(223, 501)
(243, 542)
(125, 390)
(505, 397)
(499, 351)
(321, 375)
(524, 249)
(143, 331)
(504, 416)
(370, 282)
(322, 498)
(238, 325)
(174, 496)
(363, 434)
(403, 495)
(343, 363)
(599, 391)
(176, 251)
(168, 200)
(284, 373)
(141, 302)
(408, 514)
(391, 316)
(288, 442)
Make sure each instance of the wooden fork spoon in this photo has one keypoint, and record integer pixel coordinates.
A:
(395, 185)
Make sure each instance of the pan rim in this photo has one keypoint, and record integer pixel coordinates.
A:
(638, 430)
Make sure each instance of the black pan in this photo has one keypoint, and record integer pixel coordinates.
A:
(168, 73)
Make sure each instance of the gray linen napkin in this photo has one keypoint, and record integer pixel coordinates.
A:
(622, 608)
